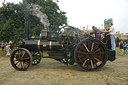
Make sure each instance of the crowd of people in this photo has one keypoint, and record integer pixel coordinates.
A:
(123, 48)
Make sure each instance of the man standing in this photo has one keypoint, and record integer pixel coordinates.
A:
(112, 33)
(121, 48)
(97, 32)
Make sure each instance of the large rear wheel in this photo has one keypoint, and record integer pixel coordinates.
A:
(90, 54)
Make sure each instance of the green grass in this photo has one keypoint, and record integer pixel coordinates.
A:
(51, 72)
(2, 53)
(117, 51)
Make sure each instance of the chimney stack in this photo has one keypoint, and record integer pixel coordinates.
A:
(27, 29)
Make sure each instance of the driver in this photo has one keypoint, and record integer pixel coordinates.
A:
(97, 32)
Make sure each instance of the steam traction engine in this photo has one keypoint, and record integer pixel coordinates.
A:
(64, 46)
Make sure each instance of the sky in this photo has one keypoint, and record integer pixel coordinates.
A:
(93, 12)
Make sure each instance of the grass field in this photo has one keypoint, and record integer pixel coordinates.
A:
(50, 72)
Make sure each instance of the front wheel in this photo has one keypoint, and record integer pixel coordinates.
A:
(21, 59)
(90, 54)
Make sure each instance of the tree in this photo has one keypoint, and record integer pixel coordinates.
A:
(11, 24)
(107, 21)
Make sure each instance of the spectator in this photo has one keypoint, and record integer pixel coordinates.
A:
(118, 40)
(2, 46)
(7, 50)
(125, 48)
(121, 48)
(11, 45)
(97, 32)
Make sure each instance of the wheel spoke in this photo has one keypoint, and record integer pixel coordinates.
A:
(65, 31)
(23, 54)
(92, 64)
(98, 60)
(85, 47)
(69, 40)
(97, 50)
(89, 45)
(99, 57)
(83, 59)
(17, 63)
(84, 62)
(82, 48)
(21, 65)
(16, 55)
(26, 58)
(88, 63)
(26, 64)
(82, 52)
(70, 32)
(35, 53)
(92, 46)
(96, 46)
(100, 53)
(94, 61)
(64, 40)
(16, 58)
(81, 56)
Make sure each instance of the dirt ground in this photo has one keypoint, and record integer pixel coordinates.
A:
(50, 72)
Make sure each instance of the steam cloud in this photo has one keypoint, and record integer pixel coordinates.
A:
(35, 9)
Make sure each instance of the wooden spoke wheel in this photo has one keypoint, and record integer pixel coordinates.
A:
(21, 59)
(37, 56)
(90, 54)
(68, 34)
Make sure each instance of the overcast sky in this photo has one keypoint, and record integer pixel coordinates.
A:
(93, 12)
